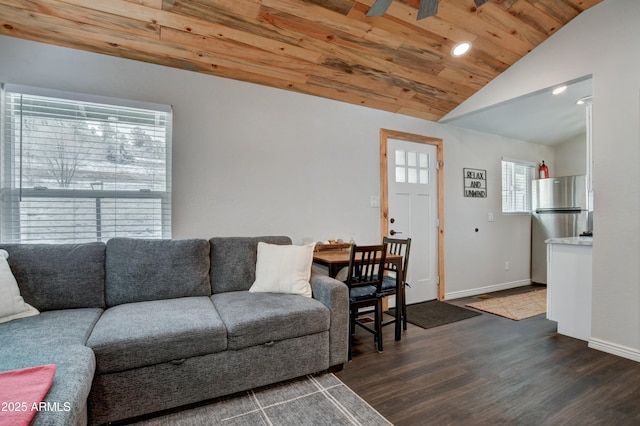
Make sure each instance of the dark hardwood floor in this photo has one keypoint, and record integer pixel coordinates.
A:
(490, 370)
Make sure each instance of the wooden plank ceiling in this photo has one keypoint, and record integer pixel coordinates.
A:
(327, 48)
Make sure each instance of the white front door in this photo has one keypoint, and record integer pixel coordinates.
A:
(413, 212)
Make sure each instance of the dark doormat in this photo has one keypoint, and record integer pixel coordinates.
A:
(435, 313)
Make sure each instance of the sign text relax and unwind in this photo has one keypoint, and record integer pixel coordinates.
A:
(475, 183)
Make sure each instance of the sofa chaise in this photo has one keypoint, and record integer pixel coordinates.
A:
(140, 326)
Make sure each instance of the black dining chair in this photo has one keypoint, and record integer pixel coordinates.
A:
(402, 248)
(364, 279)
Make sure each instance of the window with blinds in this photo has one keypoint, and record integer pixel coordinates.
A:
(516, 186)
(78, 169)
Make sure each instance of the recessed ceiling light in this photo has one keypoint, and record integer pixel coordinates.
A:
(559, 90)
(583, 100)
(461, 48)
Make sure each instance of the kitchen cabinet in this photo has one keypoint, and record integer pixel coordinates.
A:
(569, 285)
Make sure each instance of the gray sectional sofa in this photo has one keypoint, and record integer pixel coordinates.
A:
(140, 326)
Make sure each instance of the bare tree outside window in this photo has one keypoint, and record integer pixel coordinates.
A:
(55, 161)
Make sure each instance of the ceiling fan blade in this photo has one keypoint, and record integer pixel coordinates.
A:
(379, 8)
(480, 2)
(427, 8)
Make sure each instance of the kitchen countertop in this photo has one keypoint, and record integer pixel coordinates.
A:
(576, 241)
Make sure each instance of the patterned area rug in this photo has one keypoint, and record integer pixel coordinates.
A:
(516, 307)
(310, 400)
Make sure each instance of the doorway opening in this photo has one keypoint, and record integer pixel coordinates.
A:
(419, 206)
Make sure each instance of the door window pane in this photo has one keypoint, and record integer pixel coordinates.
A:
(424, 177)
(424, 160)
(412, 159)
(413, 175)
(412, 167)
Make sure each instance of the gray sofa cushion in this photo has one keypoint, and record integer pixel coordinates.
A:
(146, 333)
(51, 328)
(145, 390)
(258, 318)
(54, 337)
(140, 270)
(59, 276)
(233, 261)
(71, 384)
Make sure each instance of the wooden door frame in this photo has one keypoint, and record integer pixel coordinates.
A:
(385, 135)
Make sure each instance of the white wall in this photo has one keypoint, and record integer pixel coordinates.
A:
(475, 260)
(252, 160)
(570, 157)
(603, 41)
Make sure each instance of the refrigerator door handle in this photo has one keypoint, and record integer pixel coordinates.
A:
(560, 210)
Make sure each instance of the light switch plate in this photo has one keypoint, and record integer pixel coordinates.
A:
(490, 216)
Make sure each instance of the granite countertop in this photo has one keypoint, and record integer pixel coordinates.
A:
(578, 241)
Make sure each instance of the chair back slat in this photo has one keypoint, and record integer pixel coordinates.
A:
(366, 266)
(400, 247)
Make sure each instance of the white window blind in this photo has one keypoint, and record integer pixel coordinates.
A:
(516, 186)
(77, 169)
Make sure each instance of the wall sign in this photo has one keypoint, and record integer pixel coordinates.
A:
(475, 183)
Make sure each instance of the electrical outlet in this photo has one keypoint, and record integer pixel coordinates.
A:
(506, 266)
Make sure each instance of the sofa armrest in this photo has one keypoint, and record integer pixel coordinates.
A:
(335, 296)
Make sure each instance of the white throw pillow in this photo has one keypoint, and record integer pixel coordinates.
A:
(283, 269)
(12, 305)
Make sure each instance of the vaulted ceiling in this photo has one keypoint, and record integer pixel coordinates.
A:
(327, 48)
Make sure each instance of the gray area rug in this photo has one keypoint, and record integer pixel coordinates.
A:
(435, 313)
(310, 400)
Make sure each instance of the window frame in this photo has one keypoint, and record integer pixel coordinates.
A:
(528, 188)
(11, 194)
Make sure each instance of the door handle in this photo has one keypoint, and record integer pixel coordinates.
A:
(392, 232)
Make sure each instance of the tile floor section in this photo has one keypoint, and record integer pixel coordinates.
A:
(310, 400)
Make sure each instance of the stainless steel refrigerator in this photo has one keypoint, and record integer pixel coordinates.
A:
(559, 208)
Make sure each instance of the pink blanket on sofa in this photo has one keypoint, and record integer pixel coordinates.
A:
(21, 392)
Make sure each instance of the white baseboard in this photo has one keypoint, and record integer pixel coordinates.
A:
(615, 349)
(487, 289)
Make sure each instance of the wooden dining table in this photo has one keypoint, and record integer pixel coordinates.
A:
(335, 260)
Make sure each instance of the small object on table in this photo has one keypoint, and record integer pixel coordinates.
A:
(334, 246)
